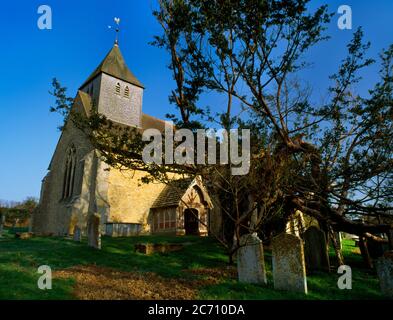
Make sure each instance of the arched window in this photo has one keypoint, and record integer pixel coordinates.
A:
(118, 88)
(69, 173)
(127, 92)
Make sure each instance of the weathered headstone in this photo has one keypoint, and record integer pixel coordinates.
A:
(384, 268)
(376, 249)
(315, 250)
(250, 260)
(73, 224)
(289, 270)
(93, 232)
(77, 234)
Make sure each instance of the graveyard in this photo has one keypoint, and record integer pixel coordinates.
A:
(199, 271)
(198, 150)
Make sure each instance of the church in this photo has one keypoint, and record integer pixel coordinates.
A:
(79, 184)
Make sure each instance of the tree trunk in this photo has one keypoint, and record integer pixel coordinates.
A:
(339, 222)
(337, 248)
(365, 252)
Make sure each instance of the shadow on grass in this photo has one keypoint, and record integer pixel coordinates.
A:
(19, 260)
(18, 283)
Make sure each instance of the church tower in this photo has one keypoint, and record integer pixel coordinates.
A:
(115, 91)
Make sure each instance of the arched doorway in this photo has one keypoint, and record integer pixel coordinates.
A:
(191, 222)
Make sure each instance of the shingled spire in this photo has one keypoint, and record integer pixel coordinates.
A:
(115, 66)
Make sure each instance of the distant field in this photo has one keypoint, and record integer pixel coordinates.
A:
(199, 271)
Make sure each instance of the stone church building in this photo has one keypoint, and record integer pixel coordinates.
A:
(79, 183)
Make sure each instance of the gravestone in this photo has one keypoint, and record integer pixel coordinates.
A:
(77, 234)
(93, 232)
(289, 270)
(376, 249)
(315, 250)
(384, 268)
(73, 224)
(250, 260)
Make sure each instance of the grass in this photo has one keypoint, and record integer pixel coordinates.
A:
(19, 260)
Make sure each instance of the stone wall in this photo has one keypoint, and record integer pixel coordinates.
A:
(93, 88)
(54, 214)
(130, 199)
(116, 196)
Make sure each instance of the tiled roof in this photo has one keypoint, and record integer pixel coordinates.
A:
(172, 194)
(149, 122)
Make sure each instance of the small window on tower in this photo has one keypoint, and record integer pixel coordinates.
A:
(127, 92)
(118, 88)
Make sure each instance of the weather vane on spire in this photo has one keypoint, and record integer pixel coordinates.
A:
(117, 29)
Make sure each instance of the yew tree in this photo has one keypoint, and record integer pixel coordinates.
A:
(330, 159)
(337, 153)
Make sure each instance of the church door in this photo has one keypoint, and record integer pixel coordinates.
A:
(191, 222)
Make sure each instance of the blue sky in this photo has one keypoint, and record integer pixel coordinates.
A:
(30, 58)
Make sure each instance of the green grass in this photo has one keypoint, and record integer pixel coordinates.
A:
(19, 260)
(321, 285)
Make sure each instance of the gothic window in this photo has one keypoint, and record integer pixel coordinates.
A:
(127, 92)
(118, 88)
(69, 173)
(79, 171)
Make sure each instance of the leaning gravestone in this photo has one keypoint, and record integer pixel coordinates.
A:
(77, 234)
(315, 250)
(384, 268)
(289, 270)
(250, 260)
(93, 232)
